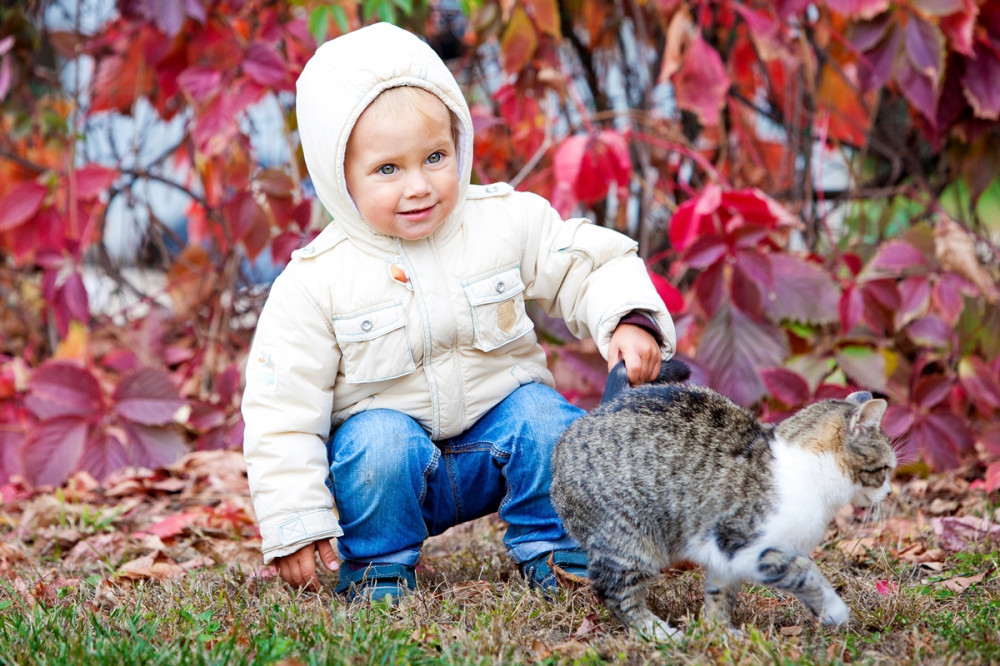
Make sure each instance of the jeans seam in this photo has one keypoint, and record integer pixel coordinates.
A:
(428, 469)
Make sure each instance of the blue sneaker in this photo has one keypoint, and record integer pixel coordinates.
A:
(546, 571)
(373, 581)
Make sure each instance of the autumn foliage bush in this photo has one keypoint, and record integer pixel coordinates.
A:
(708, 130)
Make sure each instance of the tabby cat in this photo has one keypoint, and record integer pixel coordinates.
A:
(666, 471)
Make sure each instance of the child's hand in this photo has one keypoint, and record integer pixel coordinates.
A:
(299, 568)
(639, 349)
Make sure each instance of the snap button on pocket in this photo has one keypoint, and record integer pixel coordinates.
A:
(500, 286)
(366, 325)
(309, 249)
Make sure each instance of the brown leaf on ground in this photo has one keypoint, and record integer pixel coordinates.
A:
(107, 548)
(10, 554)
(155, 566)
(960, 584)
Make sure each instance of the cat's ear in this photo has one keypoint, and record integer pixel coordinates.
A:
(859, 397)
(869, 414)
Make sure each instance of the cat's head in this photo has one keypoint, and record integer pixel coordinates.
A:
(867, 454)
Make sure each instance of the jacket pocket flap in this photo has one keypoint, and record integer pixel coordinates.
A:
(370, 324)
(495, 288)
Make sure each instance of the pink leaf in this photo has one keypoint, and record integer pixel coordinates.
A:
(147, 396)
(964, 532)
(865, 9)
(61, 389)
(92, 180)
(851, 308)
(705, 251)
(701, 83)
(20, 204)
(200, 83)
(898, 421)
(103, 454)
(981, 82)
(931, 331)
(918, 89)
(709, 288)
(173, 525)
(897, 256)
(53, 449)
(992, 478)
(790, 388)
(979, 380)
(864, 366)
(876, 64)
(925, 47)
(264, 65)
(886, 587)
(153, 447)
(915, 298)
(801, 291)
(958, 27)
(734, 347)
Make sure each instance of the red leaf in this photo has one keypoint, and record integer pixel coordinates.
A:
(709, 288)
(672, 297)
(790, 388)
(103, 454)
(981, 82)
(53, 449)
(264, 65)
(898, 421)
(734, 347)
(705, 251)
(992, 478)
(147, 396)
(931, 390)
(701, 83)
(153, 447)
(62, 389)
(886, 587)
(173, 525)
(990, 439)
(93, 180)
(746, 292)
(897, 256)
(940, 437)
(947, 299)
(801, 291)
(200, 83)
(592, 164)
(205, 416)
(71, 302)
(876, 64)
(958, 27)
(20, 204)
(694, 218)
(851, 308)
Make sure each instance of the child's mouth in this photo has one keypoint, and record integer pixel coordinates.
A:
(417, 214)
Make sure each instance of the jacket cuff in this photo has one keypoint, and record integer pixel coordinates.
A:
(284, 534)
(644, 321)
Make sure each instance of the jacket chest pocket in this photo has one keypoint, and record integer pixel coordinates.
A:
(497, 303)
(374, 344)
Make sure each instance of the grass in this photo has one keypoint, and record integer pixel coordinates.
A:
(472, 609)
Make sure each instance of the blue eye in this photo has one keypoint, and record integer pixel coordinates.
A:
(434, 158)
(387, 169)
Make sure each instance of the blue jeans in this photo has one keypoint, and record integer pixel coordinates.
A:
(394, 487)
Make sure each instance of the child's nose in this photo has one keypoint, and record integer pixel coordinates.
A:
(416, 184)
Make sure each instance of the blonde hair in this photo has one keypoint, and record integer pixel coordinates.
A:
(404, 100)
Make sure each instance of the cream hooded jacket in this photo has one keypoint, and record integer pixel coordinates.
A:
(435, 328)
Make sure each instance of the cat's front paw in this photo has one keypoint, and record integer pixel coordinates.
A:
(659, 630)
(835, 612)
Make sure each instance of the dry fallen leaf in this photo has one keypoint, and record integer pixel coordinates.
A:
(794, 630)
(960, 584)
(156, 566)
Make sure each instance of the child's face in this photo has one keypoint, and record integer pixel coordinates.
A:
(402, 170)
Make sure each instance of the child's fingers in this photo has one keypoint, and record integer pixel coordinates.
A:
(328, 555)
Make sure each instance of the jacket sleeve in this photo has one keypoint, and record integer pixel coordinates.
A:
(286, 407)
(589, 276)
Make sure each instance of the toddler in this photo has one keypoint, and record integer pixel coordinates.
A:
(395, 386)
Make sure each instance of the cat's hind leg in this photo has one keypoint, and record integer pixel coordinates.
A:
(800, 576)
(622, 584)
(720, 599)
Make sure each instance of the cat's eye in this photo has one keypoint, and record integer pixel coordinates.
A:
(877, 470)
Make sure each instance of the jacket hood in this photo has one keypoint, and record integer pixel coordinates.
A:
(337, 85)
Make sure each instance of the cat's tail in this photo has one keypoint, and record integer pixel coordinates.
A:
(671, 372)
